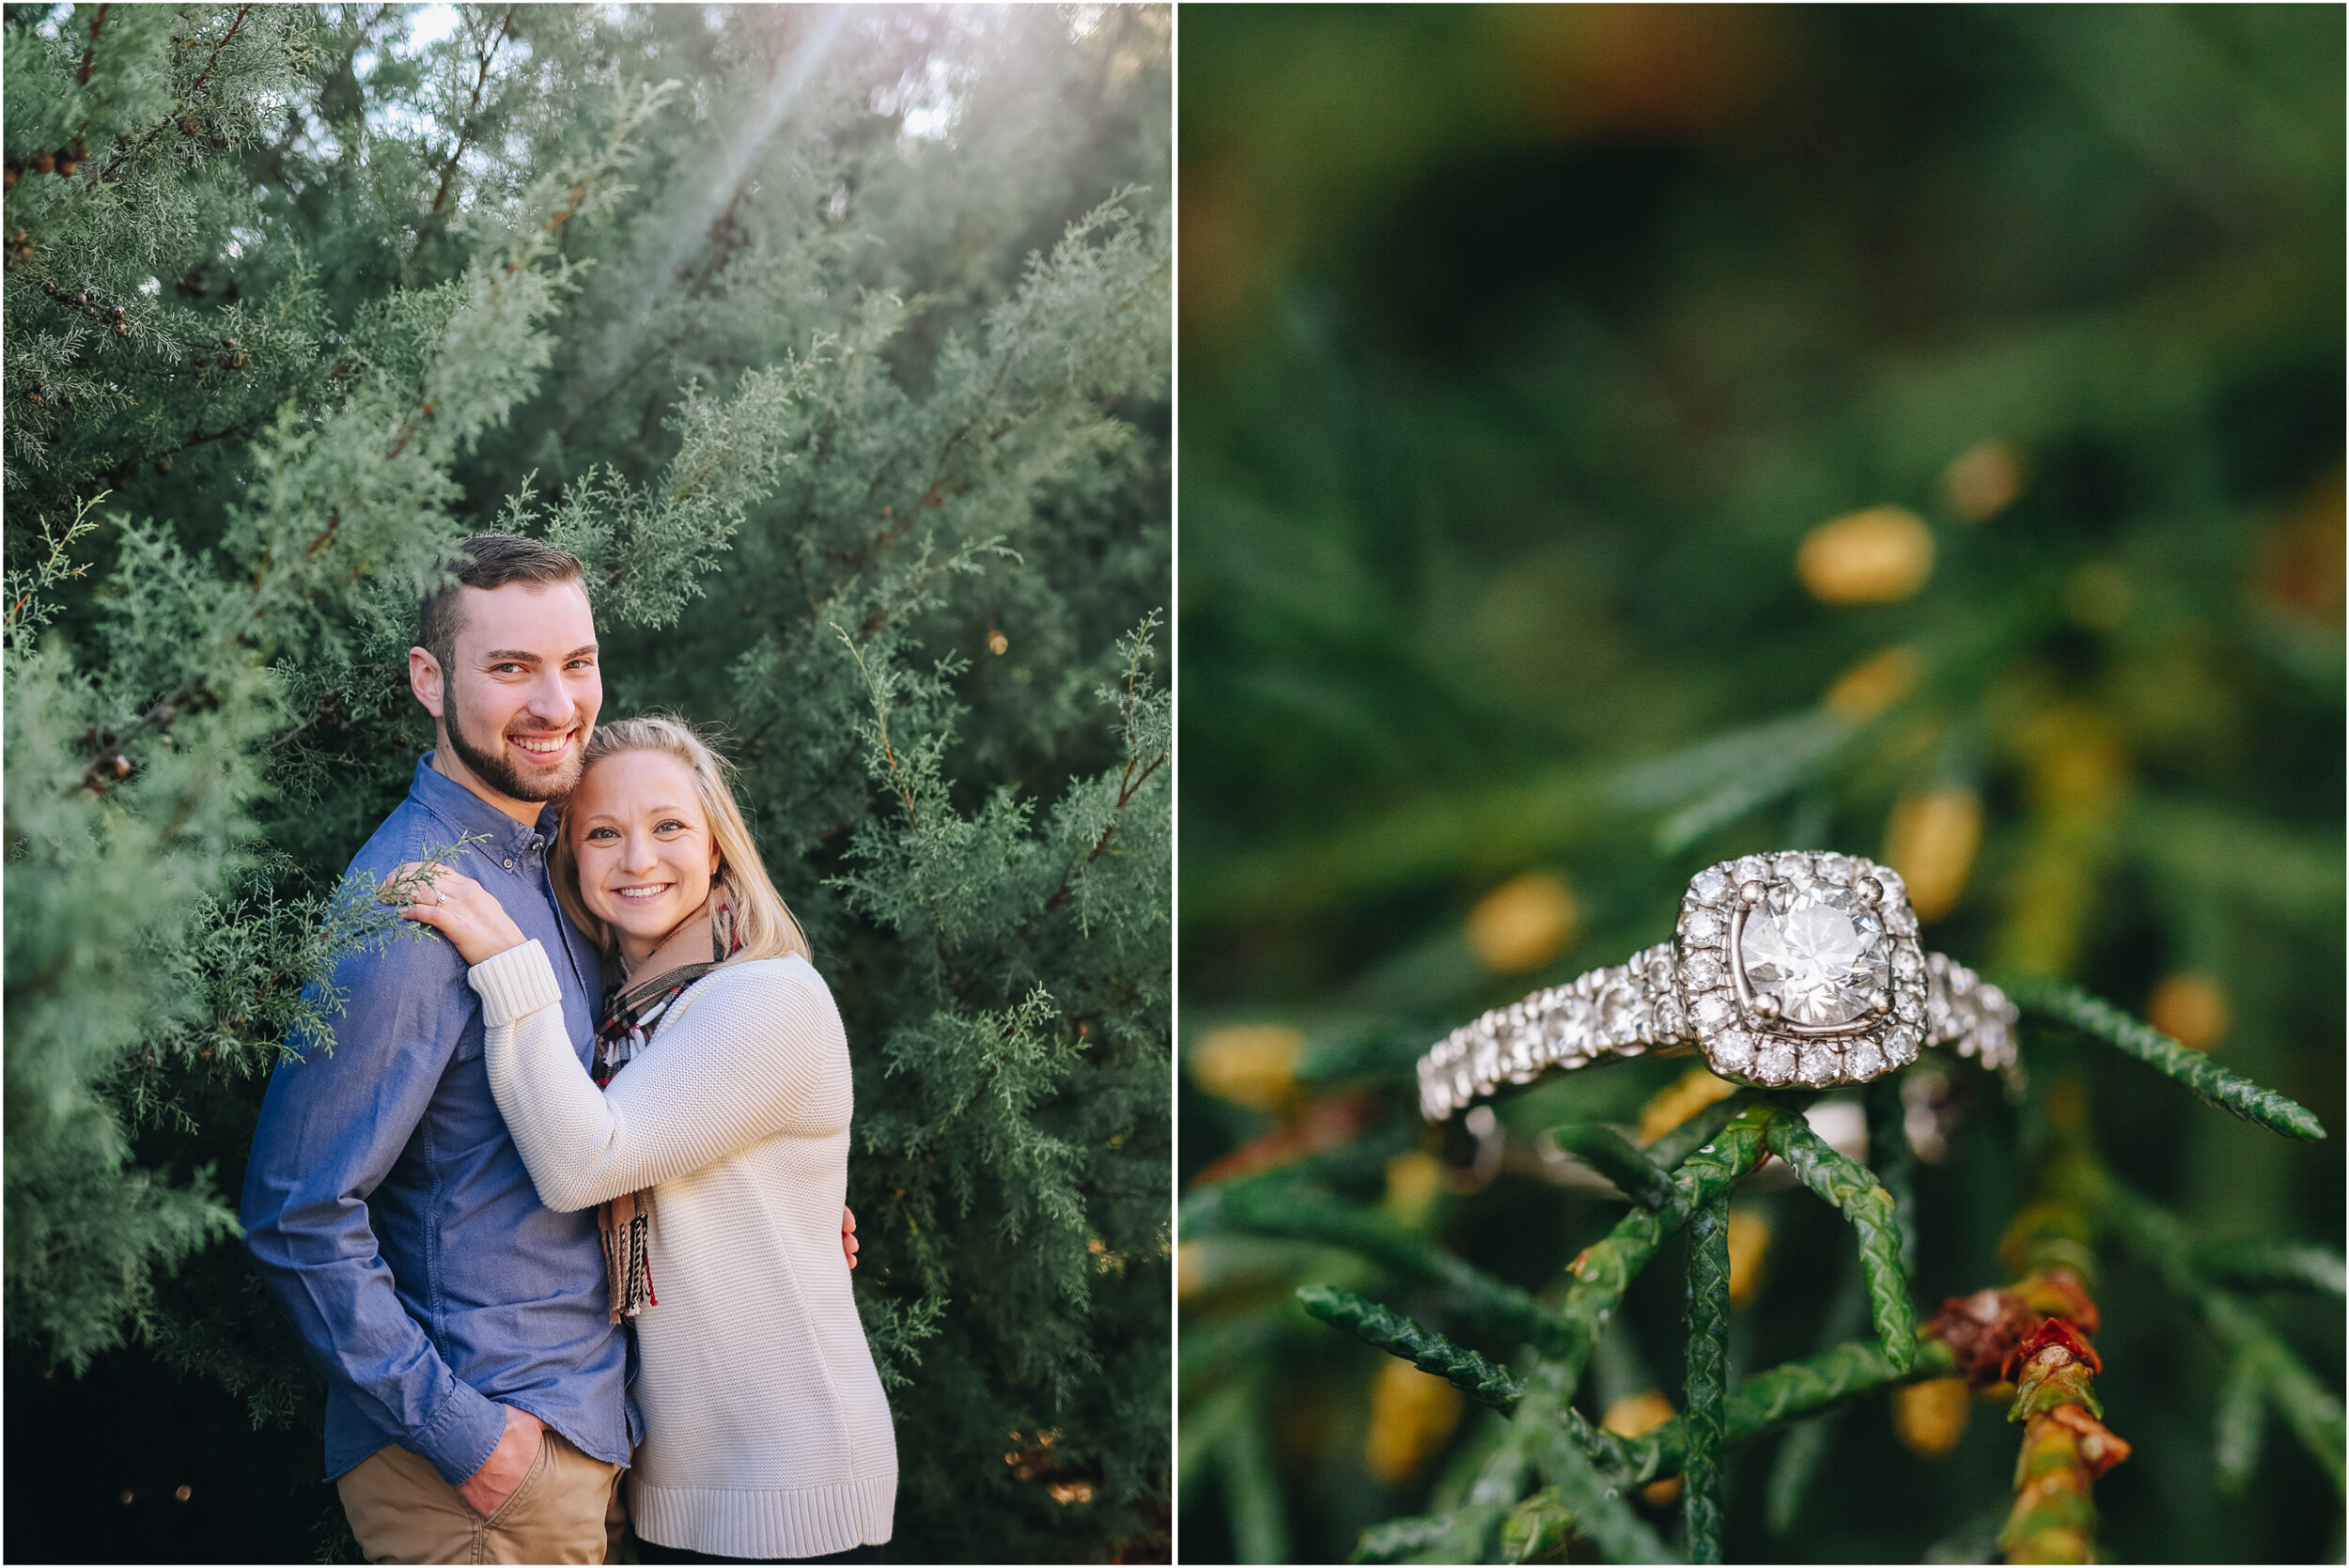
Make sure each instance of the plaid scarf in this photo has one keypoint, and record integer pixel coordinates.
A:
(632, 1013)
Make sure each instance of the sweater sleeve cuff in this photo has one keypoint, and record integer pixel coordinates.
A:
(515, 984)
(464, 1432)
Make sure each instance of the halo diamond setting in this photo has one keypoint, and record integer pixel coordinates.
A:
(1800, 968)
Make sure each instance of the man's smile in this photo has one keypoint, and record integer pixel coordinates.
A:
(546, 747)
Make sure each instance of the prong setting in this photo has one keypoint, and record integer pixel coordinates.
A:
(1797, 969)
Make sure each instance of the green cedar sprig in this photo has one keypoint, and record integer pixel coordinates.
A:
(2271, 1265)
(1854, 1189)
(1605, 1270)
(1284, 1210)
(2307, 1406)
(1602, 1274)
(1431, 1352)
(1707, 1377)
(1789, 1391)
(1675, 1146)
(1613, 1155)
(1538, 1529)
(2211, 1083)
(1595, 1501)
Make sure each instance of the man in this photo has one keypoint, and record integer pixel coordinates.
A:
(476, 1405)
(462, 1326)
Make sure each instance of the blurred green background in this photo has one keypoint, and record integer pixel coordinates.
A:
(1616, 438)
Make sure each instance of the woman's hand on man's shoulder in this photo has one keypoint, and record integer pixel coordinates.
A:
(455, 905)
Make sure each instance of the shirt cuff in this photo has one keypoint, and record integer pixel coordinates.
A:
(462, 1433)
(515, 984)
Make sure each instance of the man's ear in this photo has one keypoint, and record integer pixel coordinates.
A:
(424, 679)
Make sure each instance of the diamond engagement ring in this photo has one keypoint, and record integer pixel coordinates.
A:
(1794, 970)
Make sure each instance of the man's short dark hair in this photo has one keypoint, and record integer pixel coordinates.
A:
(488, 561)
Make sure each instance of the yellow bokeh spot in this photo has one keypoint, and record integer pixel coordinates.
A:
(1249, 1064)
(1983, 480)
(1874, 684)
(1878, 556)
(1413, 1179)
(2078, 766)
(2191, 1009)
(1682, 1098)
(1748, 1249)
(1190, 1269)
(1412, 1414)
(1636, 1417)
(1931, 842)
(1930, 1416)
(1523, 924)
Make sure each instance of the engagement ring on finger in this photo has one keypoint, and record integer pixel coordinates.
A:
(1798, 969)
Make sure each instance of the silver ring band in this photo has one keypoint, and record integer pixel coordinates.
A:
(1659, 999)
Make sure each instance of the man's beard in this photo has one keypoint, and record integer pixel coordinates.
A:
(494, 769)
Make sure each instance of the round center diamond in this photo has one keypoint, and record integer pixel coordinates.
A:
(1821, 965)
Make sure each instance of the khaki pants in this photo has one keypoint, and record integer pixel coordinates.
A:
(566, 1510)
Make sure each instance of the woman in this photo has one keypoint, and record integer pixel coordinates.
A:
(718, 1150)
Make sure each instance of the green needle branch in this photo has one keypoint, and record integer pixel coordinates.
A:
(2213, 1083)
(2308, 1407)
(1854, 1189)
(1764, 1403)
(1636, 1175)
(1268, 1209)
(1706, 1383)
(1425, 1349)
(1673, 1148)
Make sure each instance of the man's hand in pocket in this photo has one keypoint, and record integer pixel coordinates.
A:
(490, 1488)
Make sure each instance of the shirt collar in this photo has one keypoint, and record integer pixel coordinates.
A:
(446, 797)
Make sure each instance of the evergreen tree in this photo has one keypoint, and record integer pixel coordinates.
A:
(1618, 439)
(836, 343)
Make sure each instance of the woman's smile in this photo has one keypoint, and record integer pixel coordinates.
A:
(642, 840)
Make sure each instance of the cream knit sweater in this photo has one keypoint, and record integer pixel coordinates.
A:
(767, 1434)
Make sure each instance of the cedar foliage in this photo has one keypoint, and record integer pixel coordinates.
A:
(1523, 349)
(836, 342)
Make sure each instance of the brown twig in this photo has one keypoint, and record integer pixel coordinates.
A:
(880, 723)
(81, 77)
(562, 215)
(205, 75)
(2034, 1334)
(464, 130)
(1128, 784)
(135, 148)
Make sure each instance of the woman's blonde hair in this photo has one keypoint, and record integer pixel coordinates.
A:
(761, 920)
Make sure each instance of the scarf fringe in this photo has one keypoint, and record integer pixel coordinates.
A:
(625, 1225)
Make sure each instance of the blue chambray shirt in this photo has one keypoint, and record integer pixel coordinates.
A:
(388, 1207)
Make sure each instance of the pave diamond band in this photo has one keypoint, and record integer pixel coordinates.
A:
(1789, 970)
